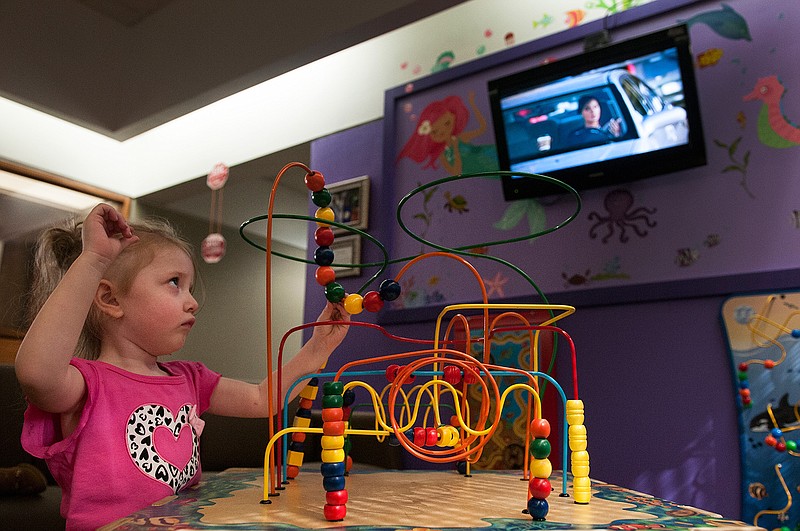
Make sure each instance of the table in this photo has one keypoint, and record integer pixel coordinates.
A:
(390, 499)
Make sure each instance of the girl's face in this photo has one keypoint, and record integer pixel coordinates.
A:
(442, 128)
(591, 112)
(158, 310)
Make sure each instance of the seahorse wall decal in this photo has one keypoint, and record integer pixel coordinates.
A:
(774, 129)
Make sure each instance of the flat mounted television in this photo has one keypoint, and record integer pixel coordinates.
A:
(614, 114)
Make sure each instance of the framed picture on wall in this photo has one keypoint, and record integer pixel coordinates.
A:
(347, 251)
(350, 203)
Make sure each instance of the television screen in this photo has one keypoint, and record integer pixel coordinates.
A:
(618, 113)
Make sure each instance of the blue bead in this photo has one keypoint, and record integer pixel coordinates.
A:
(348, 397)
(303, 413)
(744, 384)
(323, 256)
(333, 483)
(393, 440)
(777, 433)
(796, 332)
(295, 446)
(332, 469)
(389, 290)
(538, 508)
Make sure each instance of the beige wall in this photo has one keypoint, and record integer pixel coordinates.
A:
(229, 336)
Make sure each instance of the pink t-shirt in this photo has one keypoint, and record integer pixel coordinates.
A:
(133, 445)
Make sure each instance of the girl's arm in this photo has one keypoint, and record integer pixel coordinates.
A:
(468, 136)
(234, 398)
(42, 362)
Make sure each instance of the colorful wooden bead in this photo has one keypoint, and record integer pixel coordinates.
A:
(323, 256)
(431, 436)
(391, 372)
(419, 437)
(540, 448)
(541, 468)
(332, 469)
(452, 374)
(333, 388)
(332, 442)
(321, 198)
(336, 497)
(389, 290)
(332, 414)
(299, 436)
(538, 509)
(582, 489)
(334, 513)
(292, 471)
(332, 456)
(354, 304)
(373, 301)
(539, 488)
(332, 401)
(314, 181)
(326, 214)
(333, 483)
(334, 292)
(323, 236)
(540, 428)
(333, 428)
(348, 397)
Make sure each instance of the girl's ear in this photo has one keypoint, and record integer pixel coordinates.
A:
(106, 300)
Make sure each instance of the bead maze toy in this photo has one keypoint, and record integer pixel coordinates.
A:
(763, 333)
(433, 375)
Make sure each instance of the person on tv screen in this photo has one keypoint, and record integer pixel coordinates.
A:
(592, 132)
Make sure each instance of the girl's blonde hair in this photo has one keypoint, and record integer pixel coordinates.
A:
(58, 247)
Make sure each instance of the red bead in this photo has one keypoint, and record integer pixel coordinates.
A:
(539, 488)
(780, 446)
(419, 437)
(336, 497)
(769, 364)
(431, 436)
(334, 428)
(298, 436)
(334, 513)
(372, 301)
(769, 440)
(540, 428)
(743, 367)
(452, 374)
(348, 463)
(315, 181)
(346, 410)
(746, 400)
(391, 372)
(292, 471)
(470, 378)
(323, 236)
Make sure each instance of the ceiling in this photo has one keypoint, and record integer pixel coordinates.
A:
(122, 67)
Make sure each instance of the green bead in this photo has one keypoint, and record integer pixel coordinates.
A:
(742, 375)
(331, 401)
(334, 292)
(791, 445)
(540, 448)
(348, 445)
(332, 388)
(321, 198)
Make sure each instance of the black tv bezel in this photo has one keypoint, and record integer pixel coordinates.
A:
(618, 170)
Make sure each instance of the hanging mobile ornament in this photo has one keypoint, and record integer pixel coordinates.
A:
(213, 247)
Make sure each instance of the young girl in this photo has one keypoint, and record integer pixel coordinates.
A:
(117, 426)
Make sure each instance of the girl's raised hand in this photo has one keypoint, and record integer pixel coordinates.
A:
(331, 335)
(106, 233)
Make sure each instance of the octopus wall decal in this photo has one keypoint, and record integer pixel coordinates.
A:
(619, 203)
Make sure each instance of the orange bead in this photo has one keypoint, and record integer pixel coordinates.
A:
(292, 471)
(769, 364)
(331, 414)
(305, 403)
(314, 181)
(325, 275)
(299, 436)
(333, 428)
(540, 428)
(348, 463)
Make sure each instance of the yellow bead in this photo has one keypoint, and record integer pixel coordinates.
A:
(309, 391)
(354, 304)
(541, 468)
(574, 412)
(325, 213)
(302, 422)
(582, 489)
(448, 436)
(332, 442)
(577, 437)
(294, 458)
(580, 464)
(332, 456)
